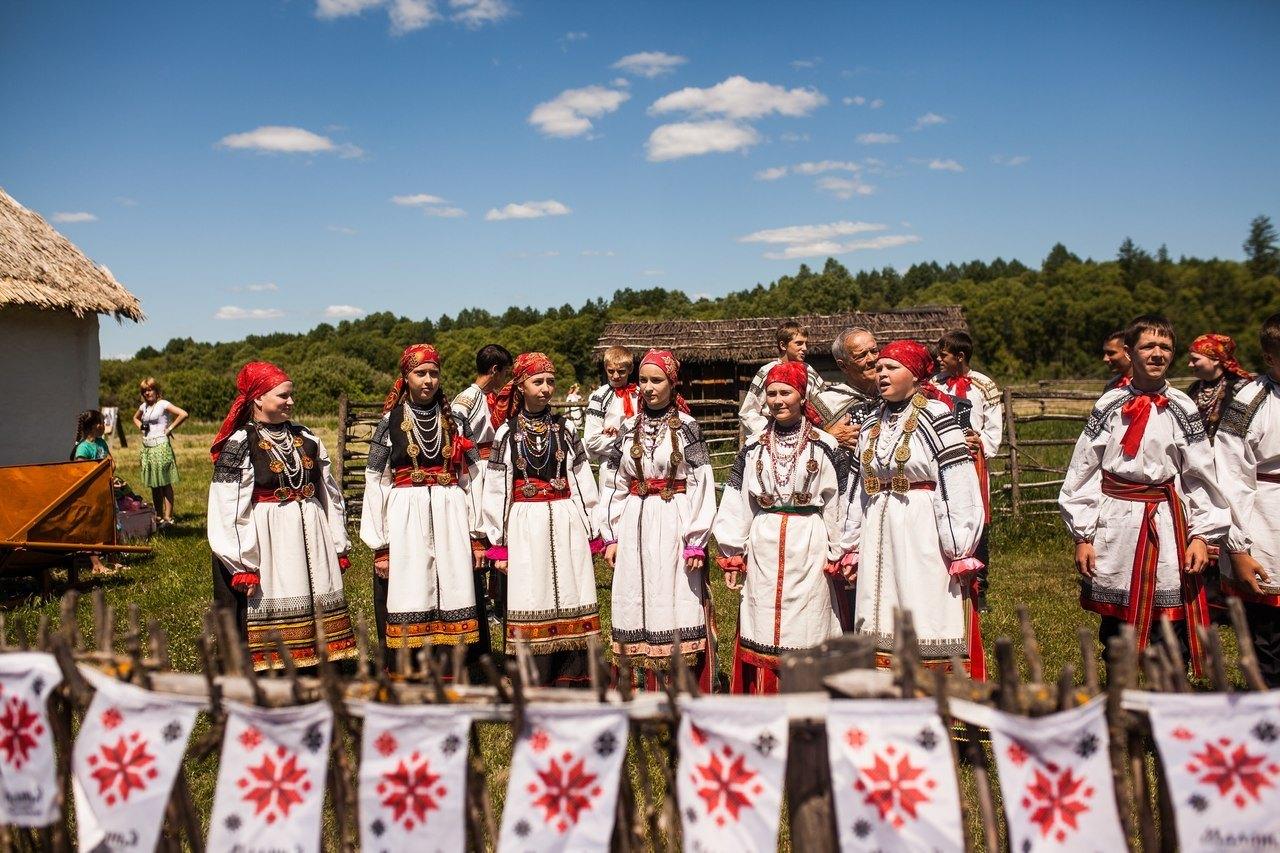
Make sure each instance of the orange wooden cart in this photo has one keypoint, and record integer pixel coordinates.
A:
(51, 512)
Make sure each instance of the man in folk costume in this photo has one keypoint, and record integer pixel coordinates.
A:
(657, 502)
(421, 515)
(981, 415)
(538, 512)
(916, 517)
(1115, 357)
(474, 406)
(610, 404)
(1141, 499)
(779, 525)
(1218, 378)
(276, 525)
(793, 347)
(1247, 451)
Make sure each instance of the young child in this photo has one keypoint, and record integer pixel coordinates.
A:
(92, 447)
(985, 428)
(793, 346)
(1248, 457)
(1141, 499)
(610, 404)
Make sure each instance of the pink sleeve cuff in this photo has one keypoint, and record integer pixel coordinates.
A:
(242, 580)
(597, 546)
(694, 551)
(497, 552)
(964, 566)
(849, 560)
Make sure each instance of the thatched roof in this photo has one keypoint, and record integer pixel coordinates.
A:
(39, 268)
(753, 339)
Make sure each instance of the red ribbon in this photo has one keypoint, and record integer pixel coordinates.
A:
(1138, 410)
(958, 386)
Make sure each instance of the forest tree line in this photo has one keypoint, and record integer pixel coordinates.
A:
(1027, 323)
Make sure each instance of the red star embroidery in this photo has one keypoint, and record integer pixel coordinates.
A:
(122, 769)
(565, 790)
(895, 788)
(250, 738)
(1017, 754)
(539, 740)
(111, 718)
(385, 744)
(410, 791)
(1051, 801)
(856, 738)
(1182, 733)
(1233, 771)
(727, 784)
(20, 729)
(275, 788)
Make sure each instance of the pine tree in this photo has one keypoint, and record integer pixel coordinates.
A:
(1260, 248)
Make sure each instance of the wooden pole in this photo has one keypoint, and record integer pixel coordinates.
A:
(1015, 474)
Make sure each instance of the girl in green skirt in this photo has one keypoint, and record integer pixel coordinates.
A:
(158, 418)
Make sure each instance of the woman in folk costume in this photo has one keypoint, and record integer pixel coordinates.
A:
(1218, 378)
(277, 526)
(779, 525)
(657, 502)
(538, 512)
(915, 517)
(420, 516)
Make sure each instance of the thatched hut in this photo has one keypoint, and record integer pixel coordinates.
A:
(50, 299)
(720, 357)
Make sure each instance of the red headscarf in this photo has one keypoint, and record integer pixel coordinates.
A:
(664, 360)
(413, 356)
(914, 356)
(504, 402)
(795, 374)
(1221, 349)
(253, 381)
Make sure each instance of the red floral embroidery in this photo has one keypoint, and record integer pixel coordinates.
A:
(20, 729)
(386, 744)
(698, 735)
(1017, 754)
(1226, 768)
(727, 784)
(250, 738)
(125, 767)
(275, 788)
(539, 740)
(565, 790)
(1182, 733)
(410, 791)
(1052, 798)
(895, 787)
(111, 718)
(856, 738)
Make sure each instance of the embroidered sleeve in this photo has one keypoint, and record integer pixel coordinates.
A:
(694, 446)
(232, 459)
(380, 446)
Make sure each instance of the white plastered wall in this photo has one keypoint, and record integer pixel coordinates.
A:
(48, 375)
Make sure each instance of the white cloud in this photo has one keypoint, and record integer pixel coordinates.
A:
(620, 82)
(845, 188)
(691, 138)
(278, 139)
(876, 104)
(416, 200)
(445, 212)
(795, 137)
(652, 273)
(855, 101)
(575, 36)
(409, 15)
(947, 165)
(793, 234)
(126, 201)
(72, 216)
(341, 229)
(263, 287)
(740, 98)
(344, 312)
(806, 63)
(527, 210)
(550, 253)
(928, 120)
(827, 249)
(877, 138)
(651, 63)
(597, 253)
(817, 168)
(772, 173)
(329, 9)
(477, 13)
(234, 312)
(570, 113)
(1014, 160)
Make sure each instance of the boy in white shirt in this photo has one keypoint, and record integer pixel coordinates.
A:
(610, 404)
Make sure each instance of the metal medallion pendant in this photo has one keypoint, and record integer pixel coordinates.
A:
(676, 457)
(413, 450)
(282, 494)
(674, 421)
(871, 484)
(765, 501)
(900, 484)
(636, 451)
(667, 493)
(297, 441)
(308, 462)
(919, 401)
(263, 444)
(276, 466)
(405, 426)
(530, 490)
(903, 453)
(811, 466)
(418, 476)
(642, 487)
(308, 490)
(444, 478)
(559, 483)
(801, 498)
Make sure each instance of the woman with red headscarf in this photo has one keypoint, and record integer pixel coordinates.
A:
(779, 525)
(277, 524)
(1218, 378)
(657, 502)
(915, 516)
(538, 513)
(420, 515)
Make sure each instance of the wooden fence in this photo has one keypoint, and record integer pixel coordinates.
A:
(1028, 471)
(648, 816)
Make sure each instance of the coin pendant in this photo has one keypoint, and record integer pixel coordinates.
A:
(282, 494)
(308, 462)
(903, 453)
(308, 490)
(765, 500)
(276, 466)
(413, 450)
(676, 457)
(667, 493)
(812, 466)
(900, 484)
(674, 421)
(530, 490)
(871, 485)
(405, 426)
(418, 476)
(297, 441)
(642, 487)
(444, 479)
(264, 444)
(919, 401)
(636, 451)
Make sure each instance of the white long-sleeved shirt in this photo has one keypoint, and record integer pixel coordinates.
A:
(987, 416)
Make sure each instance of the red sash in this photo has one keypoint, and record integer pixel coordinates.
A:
(984, 484)
(1142, 585)
(655, 486)
(282, 495)
(533, 490)
(434, 475)
(484, 448)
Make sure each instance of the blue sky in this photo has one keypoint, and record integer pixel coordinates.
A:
(248, 167)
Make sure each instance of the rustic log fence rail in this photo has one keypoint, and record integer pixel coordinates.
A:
(647, 816)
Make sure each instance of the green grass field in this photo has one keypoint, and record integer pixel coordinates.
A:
(1031, 566)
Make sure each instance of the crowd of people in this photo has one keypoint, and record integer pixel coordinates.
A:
(847, 501)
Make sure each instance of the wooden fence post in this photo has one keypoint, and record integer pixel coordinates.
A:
(341, 462)
(1011, 430)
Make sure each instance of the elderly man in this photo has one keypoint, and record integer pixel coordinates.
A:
(843, 405)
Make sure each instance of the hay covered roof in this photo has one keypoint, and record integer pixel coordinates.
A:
(40, 268)
(753, 339)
